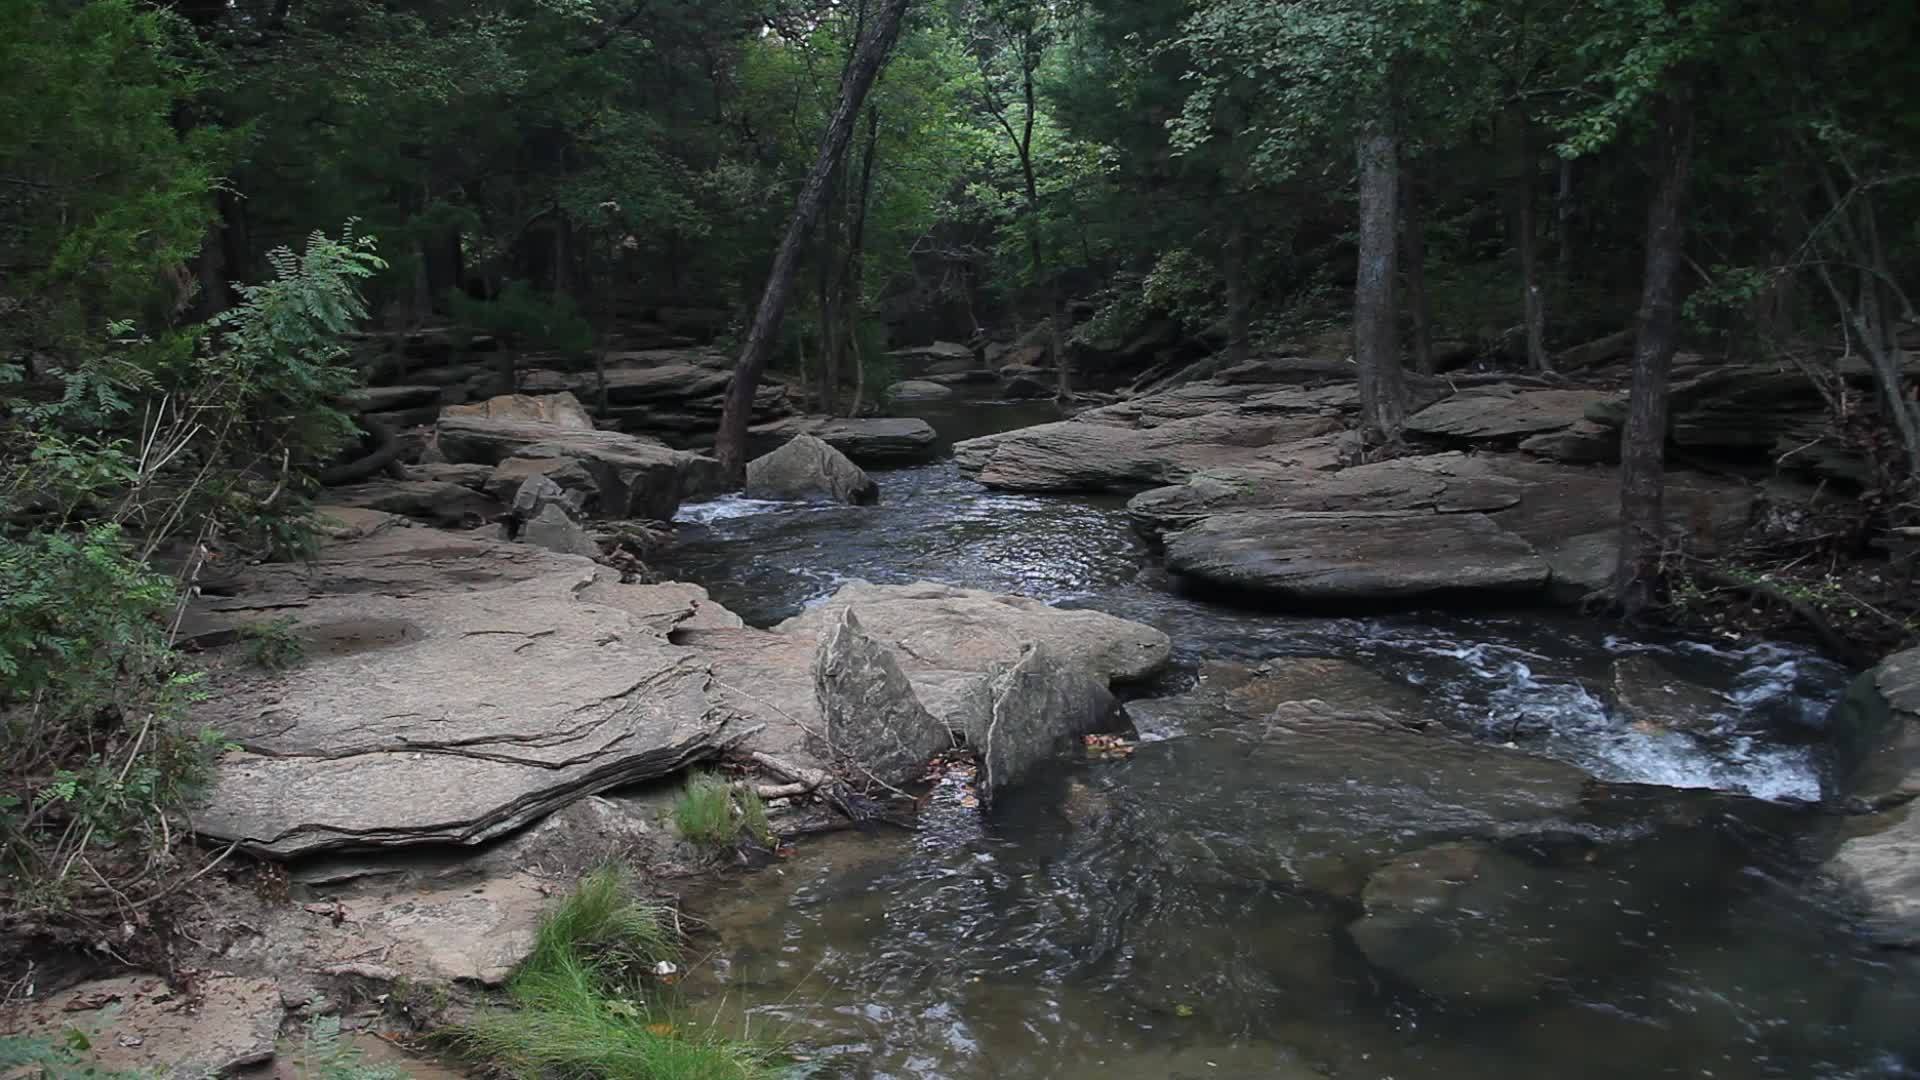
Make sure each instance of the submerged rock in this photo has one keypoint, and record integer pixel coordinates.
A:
(808, 468)
(1654, 699)
(919, 390)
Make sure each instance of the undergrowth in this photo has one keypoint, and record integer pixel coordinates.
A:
(713, 813)
(589, 1002)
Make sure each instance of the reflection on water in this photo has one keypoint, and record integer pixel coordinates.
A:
(1223, 905)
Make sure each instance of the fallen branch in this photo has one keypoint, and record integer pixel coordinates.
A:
(375, 972)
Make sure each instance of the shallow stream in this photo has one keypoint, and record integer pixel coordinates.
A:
(1195, 910)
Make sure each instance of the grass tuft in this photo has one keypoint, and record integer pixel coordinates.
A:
(583, 1007)
(711, 813)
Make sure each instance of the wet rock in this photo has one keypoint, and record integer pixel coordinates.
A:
(873, 722)
(138, 1025)
(869, 441)
(1443, 919)
(562, 410)
(944, 627)
(556, 530)
(808, 468)
(1037, 702)
(919, 390)
(1653, 699)
(1502, 413)
(1879, 866)
(436, 501)
(1320, 558)
(1082, 455)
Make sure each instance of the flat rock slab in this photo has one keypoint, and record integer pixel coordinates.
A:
(634, 477)
(1081, 455)
(439, 502)
(1494, 414)
(137, 1024)
(452, 690)
(1442, 483)
(1364, 557)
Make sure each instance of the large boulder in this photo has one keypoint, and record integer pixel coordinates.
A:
(632, 477)
(944, 627)
(1321, 558)
(867, 441)
(556, 530)
(807, 468)
(871, 720)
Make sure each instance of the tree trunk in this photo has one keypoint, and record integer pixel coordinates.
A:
(1413, 236)
(1239, 291)
(1643, 448)
(1563, 230)
(1526, 241)
(1376, 349)
(871, 56)
(853, 275)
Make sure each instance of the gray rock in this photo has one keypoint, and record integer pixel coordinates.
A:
(437, 501)
(554, 529)
(872, 721)
(471, 476)
(1356, 557)
(934, 353)
(505, 480)
(1037, 702)
(1580, 443)
(867, 442)
(1024, 387)
(539, 491)
(808, 468)
(1652, 698)
(1288, 370)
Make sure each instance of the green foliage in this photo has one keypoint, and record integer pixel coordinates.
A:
(588, 1001)
(711, 813)
(43, 1059)
(324, 1054)
(527, 319)
(102, 197)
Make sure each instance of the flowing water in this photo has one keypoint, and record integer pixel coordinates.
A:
(1197, 909)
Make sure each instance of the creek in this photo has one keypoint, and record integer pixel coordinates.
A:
(1202, 907)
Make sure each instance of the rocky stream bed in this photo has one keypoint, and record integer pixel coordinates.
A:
(1392, 806)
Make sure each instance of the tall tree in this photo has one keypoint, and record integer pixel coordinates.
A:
(1376, 331)
(869, 58)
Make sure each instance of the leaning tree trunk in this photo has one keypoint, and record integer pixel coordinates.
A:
(1376, 347)
(871, 56)
(1643, 448)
